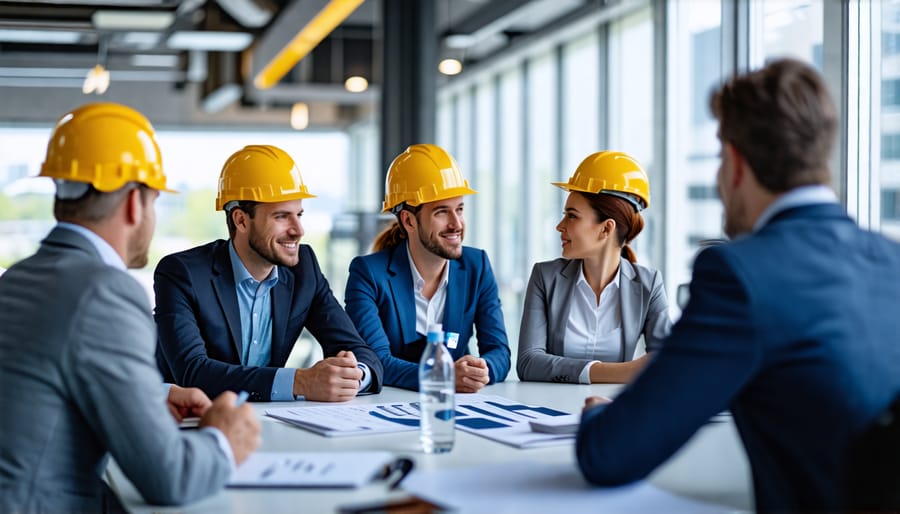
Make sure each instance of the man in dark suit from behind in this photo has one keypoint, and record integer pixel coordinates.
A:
(792, 325)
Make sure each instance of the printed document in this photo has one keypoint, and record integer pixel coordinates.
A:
(309, 469)
(493, 417)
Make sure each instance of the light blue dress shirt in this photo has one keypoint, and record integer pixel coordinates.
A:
(255, 305)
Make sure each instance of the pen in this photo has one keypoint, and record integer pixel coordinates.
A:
(242, 397)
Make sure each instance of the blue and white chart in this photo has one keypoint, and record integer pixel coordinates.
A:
(494, 417)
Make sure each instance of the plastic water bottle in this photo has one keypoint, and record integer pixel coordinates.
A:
(437, 386)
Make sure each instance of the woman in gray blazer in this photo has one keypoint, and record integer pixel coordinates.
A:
(585, 312)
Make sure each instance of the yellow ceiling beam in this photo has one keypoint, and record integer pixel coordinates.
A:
(309, 36)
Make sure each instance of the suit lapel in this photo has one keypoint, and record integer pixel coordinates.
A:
(400, 282)
(456, 295)
(560, 303)
(281, 305)
(223, 284)
(630, 304)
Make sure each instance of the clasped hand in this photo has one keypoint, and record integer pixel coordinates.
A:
(334, 379)
(471, 374)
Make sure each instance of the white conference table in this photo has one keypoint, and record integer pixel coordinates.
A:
(712, 466)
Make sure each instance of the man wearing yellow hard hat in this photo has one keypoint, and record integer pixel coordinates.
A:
(422, 274)
(77, 380)
(229, 312)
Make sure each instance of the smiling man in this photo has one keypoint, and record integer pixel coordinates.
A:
(421, 274)
(229, 312)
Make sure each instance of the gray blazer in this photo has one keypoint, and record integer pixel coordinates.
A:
(547, 299)
(78, 382)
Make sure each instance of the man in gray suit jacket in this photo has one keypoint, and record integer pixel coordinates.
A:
(78, 379)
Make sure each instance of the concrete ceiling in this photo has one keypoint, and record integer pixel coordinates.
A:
(191, 62)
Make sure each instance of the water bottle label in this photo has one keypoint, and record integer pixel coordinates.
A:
(452, 339)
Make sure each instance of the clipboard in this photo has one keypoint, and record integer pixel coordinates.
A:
(328, 470)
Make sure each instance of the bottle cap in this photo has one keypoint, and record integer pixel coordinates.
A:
(435, 332)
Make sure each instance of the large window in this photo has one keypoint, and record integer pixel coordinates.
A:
(543, 209)
(581, 111)
(887, 116)
(509, 255)
(694, 212)
(631, 117)
(485, 182)
(789, 28)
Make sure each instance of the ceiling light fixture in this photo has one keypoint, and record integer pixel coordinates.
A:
(215, 41)
(97, 79)
(299, 116)
(450, 66)
(155, 60)
(50, 37)
(309, 36)
(356, 84)
(132, 20)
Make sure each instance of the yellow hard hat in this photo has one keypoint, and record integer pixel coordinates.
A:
(105, 145)
(422, 174)
(261, 173)
(614, 173)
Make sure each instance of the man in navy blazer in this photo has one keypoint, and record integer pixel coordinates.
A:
(421, 274)
(229, 312)
(792, 326)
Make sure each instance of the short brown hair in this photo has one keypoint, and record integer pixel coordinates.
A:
(782, 120)
(95, 206)
(247, 206)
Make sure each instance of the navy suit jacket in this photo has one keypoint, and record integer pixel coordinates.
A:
(379, 299)
(794, 328)
(199, 321)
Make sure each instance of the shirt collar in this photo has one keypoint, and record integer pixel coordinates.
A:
(583, 280)
(418, 281)
(240, 271)
(797, 197)
(107, 253)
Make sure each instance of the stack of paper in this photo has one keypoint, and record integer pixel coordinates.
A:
(494, 417)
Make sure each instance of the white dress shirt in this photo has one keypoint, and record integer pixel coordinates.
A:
(594, 329)
(428, 311)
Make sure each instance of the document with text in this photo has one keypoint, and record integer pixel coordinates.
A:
(493, 417)
(310, 469)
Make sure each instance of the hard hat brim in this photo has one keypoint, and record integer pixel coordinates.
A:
(636, 200)
(452, 192)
